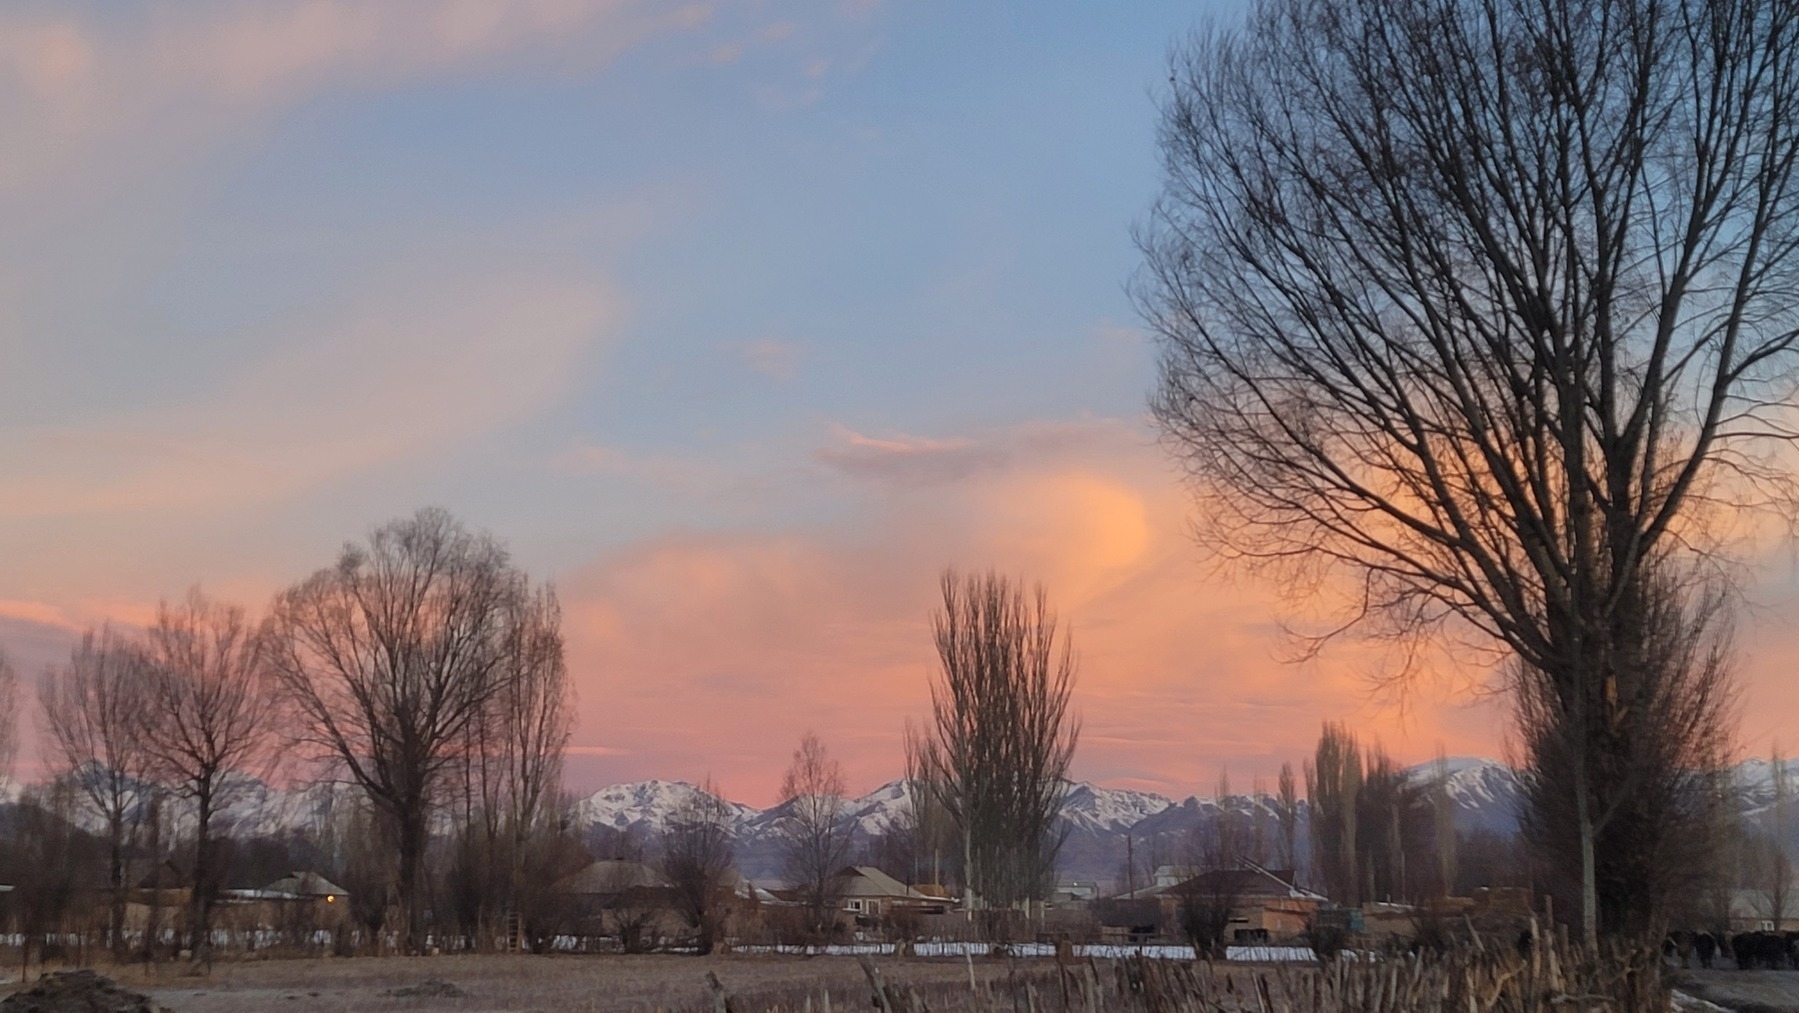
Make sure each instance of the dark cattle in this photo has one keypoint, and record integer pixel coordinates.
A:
(1759, 949)
(1706, 945)
(1679, 944)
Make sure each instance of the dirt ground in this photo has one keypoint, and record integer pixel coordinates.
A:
(500, 982)
(1744, 991)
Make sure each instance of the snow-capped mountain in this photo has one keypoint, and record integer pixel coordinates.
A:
(1097, 809)
(1758, 782)
(1097, 820)
(649, 806)
(1484, 793)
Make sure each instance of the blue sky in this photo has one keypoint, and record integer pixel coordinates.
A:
(738, 320)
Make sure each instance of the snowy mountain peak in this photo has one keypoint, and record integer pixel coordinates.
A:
(1090, 807)
(650, 805)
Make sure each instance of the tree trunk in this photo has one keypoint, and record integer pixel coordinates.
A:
(200, 904)
(116, 879)
(1589, 866)
(412, 837)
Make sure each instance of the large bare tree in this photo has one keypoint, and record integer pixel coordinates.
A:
(390, 657)
(1001, 736)
(207, 724)
(815, 836)
(90, 709)
(1479, 308)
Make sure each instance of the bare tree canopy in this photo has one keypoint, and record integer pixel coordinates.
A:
(1002, 737)
(207, 721)
(1484, 305)
(392, 655)
(91, 711)
(815, 836)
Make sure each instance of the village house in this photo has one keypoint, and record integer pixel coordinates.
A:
(1265, 904)
(870, 895)
(634, 903)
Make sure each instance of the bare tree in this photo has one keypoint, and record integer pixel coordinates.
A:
(1002, 735)
(1287, 813)
(1443, 827)
(390, 657)
(46, 845)
(1482, 306)
(207, 721)
(90, 709)
(815, 836)
(9, 714)
(931, 839)
(512, 763)
(1779, 886)
(697, 853)
(1333, 784)
(1215, 858)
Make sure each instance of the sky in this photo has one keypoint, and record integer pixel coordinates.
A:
(738, 322)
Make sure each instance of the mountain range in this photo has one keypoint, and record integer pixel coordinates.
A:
(1104, 825)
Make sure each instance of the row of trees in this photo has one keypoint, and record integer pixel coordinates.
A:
(423, 669)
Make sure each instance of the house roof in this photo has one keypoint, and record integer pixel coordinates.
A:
(1248, 880)
(868, 881)
(609, 877)
(306, 884)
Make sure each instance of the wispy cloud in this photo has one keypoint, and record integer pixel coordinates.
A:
(159, 82)
(908, 460)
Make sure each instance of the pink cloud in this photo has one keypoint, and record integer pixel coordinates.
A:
(713, 653)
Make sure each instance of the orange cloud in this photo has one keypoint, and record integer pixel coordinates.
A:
(703, 653)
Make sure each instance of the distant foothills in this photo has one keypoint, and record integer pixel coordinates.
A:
(1106, 827)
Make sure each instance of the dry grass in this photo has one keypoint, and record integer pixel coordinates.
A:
(506, 982)
(1551, 979)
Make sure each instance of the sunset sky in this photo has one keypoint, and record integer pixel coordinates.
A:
(738, 321)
